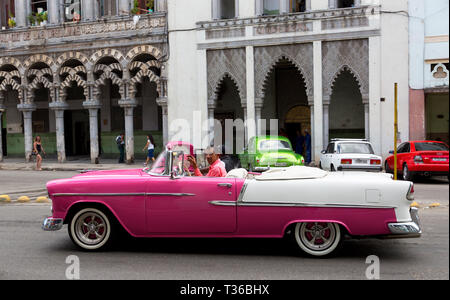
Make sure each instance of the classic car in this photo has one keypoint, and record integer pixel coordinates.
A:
(350, 155)
(428, 158)
(314, 207)
(264, 152)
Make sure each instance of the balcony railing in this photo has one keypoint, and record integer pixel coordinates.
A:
(72, 31)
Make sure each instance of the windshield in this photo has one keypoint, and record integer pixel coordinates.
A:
(362, 148)
(274, 145)
(431, 147)
(161, 165)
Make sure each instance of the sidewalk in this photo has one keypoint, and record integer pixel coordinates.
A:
(72, 164)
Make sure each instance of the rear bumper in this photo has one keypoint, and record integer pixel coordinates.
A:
(52, 224)
(435, 169)
(406, 229)
(360, 168)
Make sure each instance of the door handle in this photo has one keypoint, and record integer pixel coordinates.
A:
(228, 185)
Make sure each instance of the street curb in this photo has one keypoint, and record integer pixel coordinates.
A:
(5, 198)
(23, 199)
(42, 200)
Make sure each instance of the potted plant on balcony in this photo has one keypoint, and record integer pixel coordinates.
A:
(32, 19)
(150, 6)
(135, 9)
(11, 21)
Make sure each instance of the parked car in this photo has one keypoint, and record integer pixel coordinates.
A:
(314, 207)
(427, 158)
(264, 152)
(350, 155)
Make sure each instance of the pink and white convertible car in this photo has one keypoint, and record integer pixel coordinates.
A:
(316, 207)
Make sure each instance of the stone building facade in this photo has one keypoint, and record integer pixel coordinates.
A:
(324, 65)
(80, 83)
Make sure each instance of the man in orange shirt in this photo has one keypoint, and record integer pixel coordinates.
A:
(216, 166)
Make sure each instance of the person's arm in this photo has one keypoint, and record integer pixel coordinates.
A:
(34, 147)
(146, 146)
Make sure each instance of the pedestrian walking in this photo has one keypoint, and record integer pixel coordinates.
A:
(307, 147)
(299, 143)
(38, 150)
(150, 147)
(120, 140)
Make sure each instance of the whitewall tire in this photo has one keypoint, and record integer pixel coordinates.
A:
(91, 229)
(318, 238)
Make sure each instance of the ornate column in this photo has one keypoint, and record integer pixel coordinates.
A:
(87, 10)
(128, 105)
(124, 7)
(2, 109)
(59, 108)
(365, 100)
(211, 129)
(27, 110)
(53, 11)
(326, 120)
(21, 12)
(93, 106)
(250, 79)
(258, 108)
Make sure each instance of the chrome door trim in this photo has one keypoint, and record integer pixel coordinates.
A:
(223, 203)
(121, 194)
(283, 204)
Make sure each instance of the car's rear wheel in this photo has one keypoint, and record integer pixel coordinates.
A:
(407, 175)
(318, 238)
(91, 229)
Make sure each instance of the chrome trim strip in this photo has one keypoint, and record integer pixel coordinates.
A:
(170, 194)
(241, 193)
(121, 194)
(98, 194)
(223, 203)
(274, 204)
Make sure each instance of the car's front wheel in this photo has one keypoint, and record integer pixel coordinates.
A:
(318, 238)
(91, 229)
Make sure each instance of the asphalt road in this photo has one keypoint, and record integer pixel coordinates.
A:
(27, 252)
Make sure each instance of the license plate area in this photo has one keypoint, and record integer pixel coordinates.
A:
(439, 159)
(280, 164)
(360, 161)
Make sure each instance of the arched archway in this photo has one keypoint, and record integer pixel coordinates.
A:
(230, 114)
(285, 96)
(346, 107)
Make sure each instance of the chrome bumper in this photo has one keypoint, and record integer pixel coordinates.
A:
(52, 224)
(407, 229)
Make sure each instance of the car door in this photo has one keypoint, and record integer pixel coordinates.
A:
(402, 155)
(329, 156)
(191, 205)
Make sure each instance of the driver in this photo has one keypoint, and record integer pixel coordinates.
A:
(216, 166)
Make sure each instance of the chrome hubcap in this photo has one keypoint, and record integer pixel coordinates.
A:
(317, 236)
(90, 228)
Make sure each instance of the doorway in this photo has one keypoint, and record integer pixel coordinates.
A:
(3, 120)
(76, 132)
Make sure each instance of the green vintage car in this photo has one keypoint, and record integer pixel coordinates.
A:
(264, 152)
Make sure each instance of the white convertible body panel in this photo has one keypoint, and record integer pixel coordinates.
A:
(294, 187)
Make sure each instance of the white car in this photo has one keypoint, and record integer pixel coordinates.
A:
(350, 154)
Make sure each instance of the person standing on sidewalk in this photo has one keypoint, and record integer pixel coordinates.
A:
(150, 147)
(38, 150)
(120, 140)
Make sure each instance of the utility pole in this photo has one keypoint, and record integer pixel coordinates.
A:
(395, 130)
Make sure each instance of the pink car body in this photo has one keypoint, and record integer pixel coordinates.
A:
(148, 206)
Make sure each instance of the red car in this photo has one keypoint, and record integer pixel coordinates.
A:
(427, 158)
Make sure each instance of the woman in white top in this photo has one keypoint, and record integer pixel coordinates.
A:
(150, 147)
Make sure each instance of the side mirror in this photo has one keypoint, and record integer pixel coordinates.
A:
(323, 151)
(391, 152)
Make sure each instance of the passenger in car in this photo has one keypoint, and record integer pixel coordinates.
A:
(216, 166)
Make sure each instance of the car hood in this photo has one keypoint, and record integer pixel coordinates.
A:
(106, 173)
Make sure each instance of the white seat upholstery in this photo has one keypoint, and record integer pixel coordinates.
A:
(237, 173)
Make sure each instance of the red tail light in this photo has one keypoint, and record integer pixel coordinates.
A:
(375, 162)
(410, 195)
(346, 161)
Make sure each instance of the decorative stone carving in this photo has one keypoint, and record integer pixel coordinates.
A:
(227, 62)
(347, 22)
(282, 28)
(266, 58)
(351, 55)
(225, 33)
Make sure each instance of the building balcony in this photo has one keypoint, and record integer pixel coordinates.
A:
(304, 23)
(82, 32)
